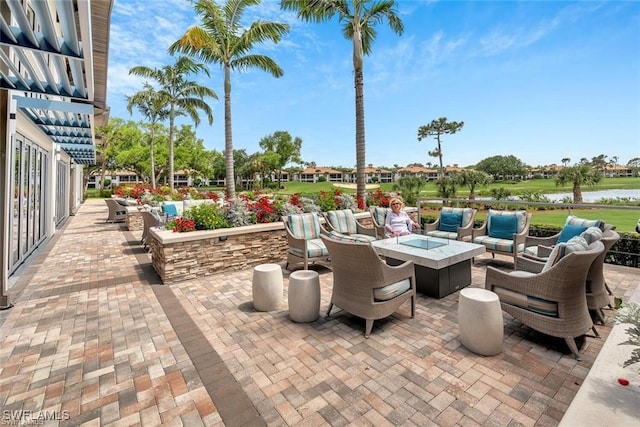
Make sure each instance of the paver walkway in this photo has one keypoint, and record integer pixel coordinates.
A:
(96, 339)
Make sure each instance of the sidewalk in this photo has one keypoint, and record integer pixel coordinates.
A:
(96, 339)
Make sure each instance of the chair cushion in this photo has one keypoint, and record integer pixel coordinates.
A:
(343, 220)
(503, 226)
(391, 291)
(520, 215)
(442, 234)
(591, 234)
(361, 238)
(315, 249)
(380, 214)
(497, 245)
(450, 221)
(305, 226)
(537, 305)
(575, 244)
(574, 220)
(170, 209)
(569, 231)
(467, 213)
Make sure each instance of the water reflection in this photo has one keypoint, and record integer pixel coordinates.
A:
(595, 196)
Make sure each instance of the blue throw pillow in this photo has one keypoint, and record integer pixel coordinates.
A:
(503, 226)
(569, 231)
(170, 209)
(450, 221)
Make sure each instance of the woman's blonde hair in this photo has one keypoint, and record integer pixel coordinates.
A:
(395, 200)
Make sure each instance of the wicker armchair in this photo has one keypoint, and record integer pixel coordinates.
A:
(364, 285)
(378, 218)
(149, 220)
(344, 222)
(444, 228)
(492, 233)
(117, 212)
(596, 287)
(553, 301)
(303, 236)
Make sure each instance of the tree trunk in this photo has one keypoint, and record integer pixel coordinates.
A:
(360, 131)
(228, 137)
(577, 193)
(171, 136)
(153, 167)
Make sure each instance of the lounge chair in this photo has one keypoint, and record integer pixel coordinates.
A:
(364, 285)
(378, 218)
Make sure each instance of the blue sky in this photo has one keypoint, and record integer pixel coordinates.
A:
(541, 80)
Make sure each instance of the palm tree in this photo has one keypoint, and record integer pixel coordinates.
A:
(578, 175)
(473, 178)
(183, 97)
(152, 105)
(222, 39)
(358, 18)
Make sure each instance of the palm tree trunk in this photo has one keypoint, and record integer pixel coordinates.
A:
(171, 136)
(228, 137)
(153, 167)
(360, 137)
(577, 193)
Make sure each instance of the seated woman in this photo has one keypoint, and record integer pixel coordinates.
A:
(398, 222)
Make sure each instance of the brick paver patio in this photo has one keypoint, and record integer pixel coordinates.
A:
(96, 339)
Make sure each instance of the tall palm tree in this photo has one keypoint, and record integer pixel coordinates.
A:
(223, 40)
(578, 175)
(358, 18)
(183, 97)
(152, 105)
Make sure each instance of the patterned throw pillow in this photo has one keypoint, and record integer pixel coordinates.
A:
(574, 220)
(591, 234)
(575, 244)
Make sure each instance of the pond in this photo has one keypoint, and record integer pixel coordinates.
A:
(595, 196)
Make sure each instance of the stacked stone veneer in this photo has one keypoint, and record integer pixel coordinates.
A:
(184, 256)
(134, 219)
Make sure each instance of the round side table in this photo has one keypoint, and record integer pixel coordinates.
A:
(304, 296)
(480, 321)
(267, 287)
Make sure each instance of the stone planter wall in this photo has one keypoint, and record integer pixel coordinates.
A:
(134, 219)
(184, 256)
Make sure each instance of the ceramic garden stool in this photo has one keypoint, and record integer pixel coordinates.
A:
(304, 296)
(267, 287)
(480, 321)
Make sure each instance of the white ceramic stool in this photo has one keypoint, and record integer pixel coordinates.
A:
(480, 321)
(304, 296)
(267, 287)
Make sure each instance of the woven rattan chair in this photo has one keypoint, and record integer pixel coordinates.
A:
(364, 285)
(460, 231)
(553, 301)
(117, 212)
(149, 220)
(513, 244)
(596, 287)
(344, 222)
(303, 236)
(378, 217)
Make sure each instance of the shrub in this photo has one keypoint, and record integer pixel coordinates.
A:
(207, 216)
(238, 214)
